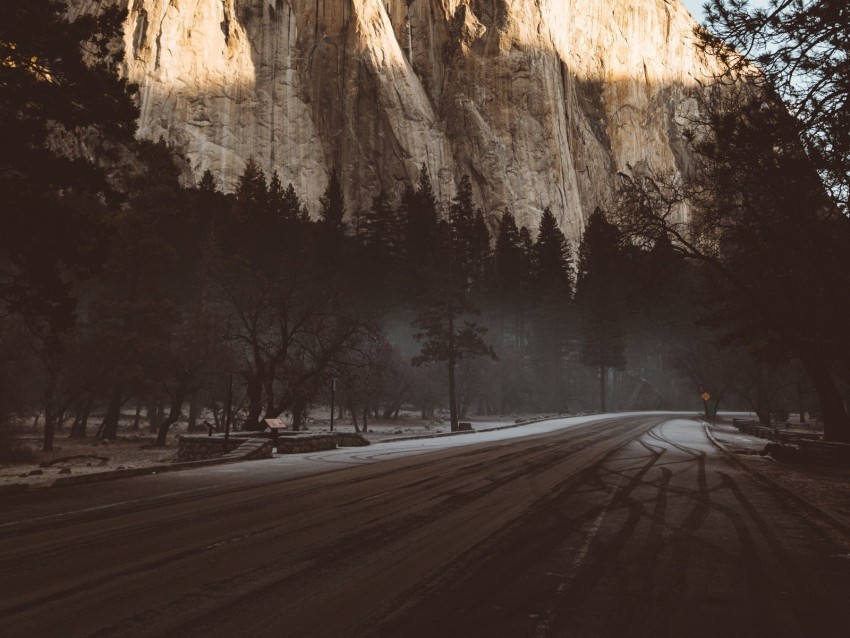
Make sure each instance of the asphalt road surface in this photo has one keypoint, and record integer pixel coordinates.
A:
(627, 526)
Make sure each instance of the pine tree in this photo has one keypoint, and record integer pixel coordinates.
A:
(601, 259)
(480, 252)
(508, 259)
(292, 209)
(208, 183)
(276, 203)
(252, 193)
(332, 204)
(552, 261)
(380, 229)
(461, 224)
(420, 215)
(552, 294)
(59, 83)
(602, 343)
(602, 281)
(508, 273)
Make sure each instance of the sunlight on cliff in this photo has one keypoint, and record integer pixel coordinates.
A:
(540, 100)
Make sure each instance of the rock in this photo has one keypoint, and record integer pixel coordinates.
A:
(65, 470)
(541, 102)
(35, 473)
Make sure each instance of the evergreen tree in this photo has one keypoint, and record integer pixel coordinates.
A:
(552, 261)
(420, 213)
(600, 291)
(508, 272)
(462, 214)
(552, 293)
(208, 183)
(292, 209)
(602, 343)
(59, 86)
(480, 247)
(276, 194)
(252, 192)
(601, 258)
(332, 204)
(508, 259)
(419, 216)
(446, 327)
(380, 229)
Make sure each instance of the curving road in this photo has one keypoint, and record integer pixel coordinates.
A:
(622, 526)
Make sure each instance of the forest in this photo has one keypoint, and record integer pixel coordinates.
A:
(122, 289)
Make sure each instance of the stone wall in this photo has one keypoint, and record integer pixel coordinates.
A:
(298, 443)
(198, 448)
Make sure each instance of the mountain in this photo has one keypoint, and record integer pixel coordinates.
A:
(539, 101)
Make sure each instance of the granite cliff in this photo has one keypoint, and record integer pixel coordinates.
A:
(539, 101)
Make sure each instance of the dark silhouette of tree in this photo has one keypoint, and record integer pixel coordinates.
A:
(60, 99)
(276, 197)
(551, 293)
(292, 208)
(445, 326)
(762, 221)
(600, 292)
(252, 191)
(420, 216)
(380, 230)
(802, 54)
(136, 304)
(511, 274)
(332, 204)
(449, 336)
(462, 215)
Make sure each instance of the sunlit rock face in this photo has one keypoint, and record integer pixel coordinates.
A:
(540, 102)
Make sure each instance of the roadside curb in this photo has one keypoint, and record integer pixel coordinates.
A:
(825, 515)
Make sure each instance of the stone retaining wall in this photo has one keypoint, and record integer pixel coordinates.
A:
(306, 442)
(194, 447)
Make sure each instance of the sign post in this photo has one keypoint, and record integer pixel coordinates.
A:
(333, 390)
(228, 413)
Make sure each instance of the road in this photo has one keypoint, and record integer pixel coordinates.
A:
(623, 526)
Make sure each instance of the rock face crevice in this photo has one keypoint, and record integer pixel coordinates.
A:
(541, 102)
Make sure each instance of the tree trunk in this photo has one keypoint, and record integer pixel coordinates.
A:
(172, 418)
(193, 414)
(137, 417)
(452, 394)
(109, 427)
(365, 418)
(49, 413)
(299, 405)
(254, 392)
(158, 410)
(836, 423)
(149, 408)
(602, 384)
(353, 411)
(78, 429)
